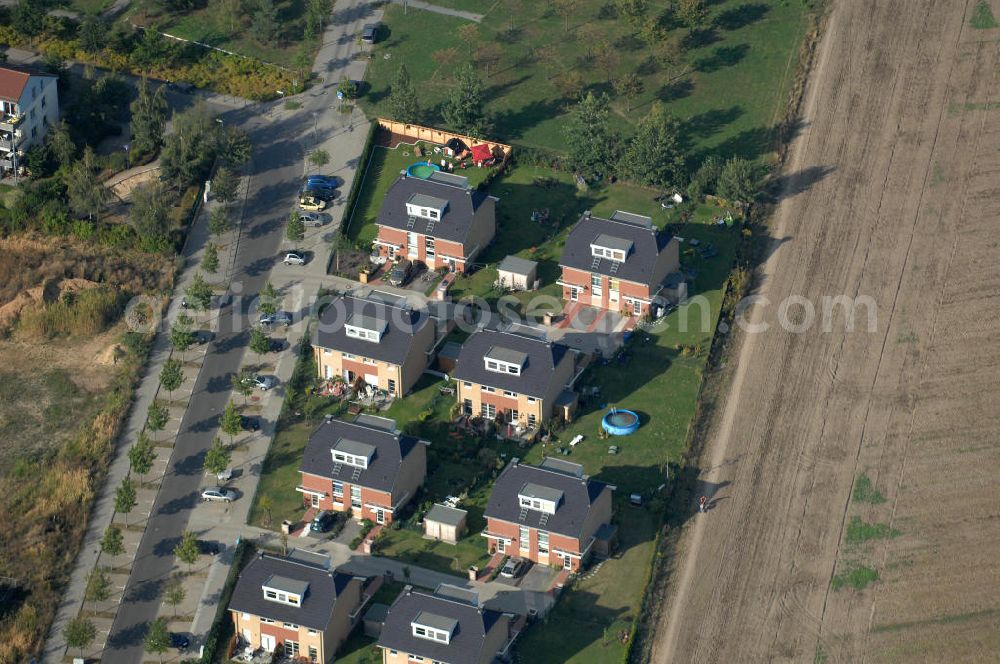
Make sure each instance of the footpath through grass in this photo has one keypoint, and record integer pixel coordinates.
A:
(729, 86)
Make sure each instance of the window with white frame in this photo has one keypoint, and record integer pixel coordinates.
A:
(524, 539)
(508, 393)
(361, 333)
(338, 489)
(267, 621)
(488, 410)
(543, 542)
(433, 628)
(291, 626)
(291, 648)
(532, 419)
(486, 388)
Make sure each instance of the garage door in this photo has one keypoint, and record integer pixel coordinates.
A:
(371, 379)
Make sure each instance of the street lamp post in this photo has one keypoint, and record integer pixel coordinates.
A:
(128, 164)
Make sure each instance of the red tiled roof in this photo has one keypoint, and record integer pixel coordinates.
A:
(481, 152)
(12, 82)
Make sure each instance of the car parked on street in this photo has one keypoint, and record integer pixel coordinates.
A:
(325, 195)
(400, 273)
(250, 423)
(323, 521)
(294, 258)
(369, 33)
(277, 318)
(311, 203)
(224, 475)
(310, 219)
(513, 568)
(208, 547)
(218, 493)
(179, 641)
(264, 383)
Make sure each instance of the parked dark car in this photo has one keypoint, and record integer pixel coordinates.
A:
(513, 568)
(250, 423)
(209, 548)
(323, 521)
(400, 273)
(369, 33)
(179, 641)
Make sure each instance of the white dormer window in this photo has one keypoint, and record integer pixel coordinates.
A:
(539, 498)
(284, 590)
(612, 248)
(361, 333)
(500, 366)
(433, 627)
(426, 207)
(353, 453)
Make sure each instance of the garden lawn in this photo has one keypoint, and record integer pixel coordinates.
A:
(209, 25)
(359, 649)
(383, 169)
(729, 87)
(411, 547)
(280, 476)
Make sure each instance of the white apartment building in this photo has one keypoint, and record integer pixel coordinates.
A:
(30, 105)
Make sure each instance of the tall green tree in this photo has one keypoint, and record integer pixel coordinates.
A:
(653, 156)
(186, 550)
(219, 220)
(236, 148)
(739, 180)
(174, 593)
(463, 110)
(29, 17)
(627, 86)
(692, 12)
(157, 416)
(264, 24)
(98, 586)
(85, 192)
(225, 185)
(259, 341)
(150, 214)
(593, 145)
(149, 117)
(171, 376)
(142, 455)
(231, 423)
(182, 336)
(79, 633)
(295, 230)
(157, 639)
(243, 383)
(402, 101)
(634, 11)
(62, 144)
(199, 293)
(217, 457)
(92, 33)
(113, 542)
(189, 150)
(125, 498)
(210, 260)
(269, 299)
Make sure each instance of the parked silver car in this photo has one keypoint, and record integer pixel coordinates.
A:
(217, 493)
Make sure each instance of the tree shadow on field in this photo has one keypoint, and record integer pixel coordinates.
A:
(515, 123)
(675, 90)
(742, 16)
(707, 123)
(723, 56)
(793, 184)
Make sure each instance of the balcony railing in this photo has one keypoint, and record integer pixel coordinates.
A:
(10, 122)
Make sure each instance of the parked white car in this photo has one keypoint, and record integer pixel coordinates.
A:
(218, 493)
(293, 258)
(225, 475)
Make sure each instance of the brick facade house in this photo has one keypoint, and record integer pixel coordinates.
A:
(300, 608)
(441, 222)
(619, 264)
(365, 467)
(385, 344)
(549, 514)
(512, 373)
(446, 626)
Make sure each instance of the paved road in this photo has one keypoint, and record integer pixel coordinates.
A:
(280, 141)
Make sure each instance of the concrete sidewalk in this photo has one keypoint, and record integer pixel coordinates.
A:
(437, 9)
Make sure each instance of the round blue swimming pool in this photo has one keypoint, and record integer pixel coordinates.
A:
(422, 170)
(620, 422)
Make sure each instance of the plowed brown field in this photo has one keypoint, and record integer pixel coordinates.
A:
(893, 193)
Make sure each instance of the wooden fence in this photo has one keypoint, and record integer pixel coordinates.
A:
(439, 136)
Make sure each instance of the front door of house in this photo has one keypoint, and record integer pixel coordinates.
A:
(248, 637)
(567, 562)
(314, 500)
(501, 546)
(379, 516)
(349, 376)
(613, 294)
(267, 642)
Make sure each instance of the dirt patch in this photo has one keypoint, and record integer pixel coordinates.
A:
(891, 193)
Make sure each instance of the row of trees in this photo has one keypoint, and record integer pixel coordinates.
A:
(653, 156)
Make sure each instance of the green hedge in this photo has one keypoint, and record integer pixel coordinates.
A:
(359, 177)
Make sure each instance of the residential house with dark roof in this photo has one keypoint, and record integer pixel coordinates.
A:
(387, 344)
(295, 605)
(443, 627)
(29, 103)
(440, 221)
(365, 467)
(515, 374)
(619, 264)
(550, 514)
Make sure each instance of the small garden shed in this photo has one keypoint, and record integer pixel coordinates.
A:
(517, 273)
(444, 523)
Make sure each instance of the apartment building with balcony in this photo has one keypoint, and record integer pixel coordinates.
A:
(29, 102)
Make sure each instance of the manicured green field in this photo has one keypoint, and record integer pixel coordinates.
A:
(728, 87)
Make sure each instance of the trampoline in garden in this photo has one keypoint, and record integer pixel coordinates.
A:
(620, 422)
(422, 170)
